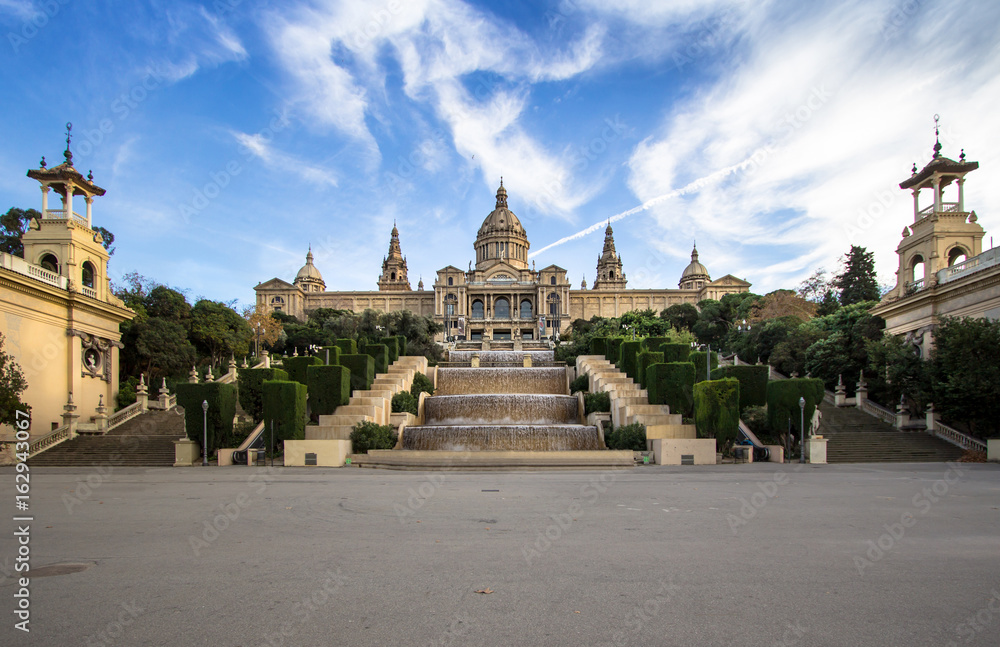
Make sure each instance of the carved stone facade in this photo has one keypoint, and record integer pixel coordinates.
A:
(503, 296)
(57, 313)
(943, 270)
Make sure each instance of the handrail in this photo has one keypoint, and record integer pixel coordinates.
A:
(124, 415)
(50, 439)
(956, 437)
(829, 397)
(873, 408)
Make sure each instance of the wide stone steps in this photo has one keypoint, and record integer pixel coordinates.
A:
(144, 441)
(856, 437)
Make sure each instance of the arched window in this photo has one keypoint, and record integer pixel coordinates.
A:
(392, 276)
(277, 303)
(88, 274)
(50, 262)
(957, 255)
(611, 275)
(451, 280)
(477, 309)
(917, 268)
(526, 309)
(552, 280)
(501, 308)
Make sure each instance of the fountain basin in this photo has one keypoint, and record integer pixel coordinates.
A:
(502, 409)
(523, 437)
(460, 381)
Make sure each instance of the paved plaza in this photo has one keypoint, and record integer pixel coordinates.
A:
(746, 555)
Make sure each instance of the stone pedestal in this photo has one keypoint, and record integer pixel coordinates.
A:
(816, 450)
(993, 450)
(186, 453)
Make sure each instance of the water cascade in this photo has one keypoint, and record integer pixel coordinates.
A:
(502, 408)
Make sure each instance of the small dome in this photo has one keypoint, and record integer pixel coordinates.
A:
(308, 270)
(695, 269)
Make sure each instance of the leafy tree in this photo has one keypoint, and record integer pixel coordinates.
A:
(12, 385)
(966, 371)
(844, 349)
(681, 316)
(218, 330)
(13, 224)
(789, 356)
(159, 348)
(712, 326)
(782, 303)
(896, 369)
(857, 281)
(815, 287)
(828, 305)
(263, 324)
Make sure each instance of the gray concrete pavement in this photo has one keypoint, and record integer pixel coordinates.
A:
(728, 555)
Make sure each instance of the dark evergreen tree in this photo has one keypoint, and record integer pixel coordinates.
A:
(857, 281)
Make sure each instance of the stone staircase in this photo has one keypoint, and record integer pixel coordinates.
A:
(144, 441)
(629, 403)
(856, 437)
(374, 404)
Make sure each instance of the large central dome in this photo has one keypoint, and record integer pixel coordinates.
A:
(501, 238)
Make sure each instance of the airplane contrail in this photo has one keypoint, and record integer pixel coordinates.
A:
(652, 202)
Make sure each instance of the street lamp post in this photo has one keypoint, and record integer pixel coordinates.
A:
(204, 451)
(708, 358)
(802, 430)
(257, 345)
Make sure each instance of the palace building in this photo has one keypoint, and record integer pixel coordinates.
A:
(502, 296)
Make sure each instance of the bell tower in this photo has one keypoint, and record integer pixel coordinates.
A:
(63, 242)
(609, 265)
(393, 278)
(943, 233)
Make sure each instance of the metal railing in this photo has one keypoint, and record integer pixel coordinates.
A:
(50, 439)
(880, 412)
(956, 437)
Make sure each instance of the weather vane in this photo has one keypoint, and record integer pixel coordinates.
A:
(69, 134)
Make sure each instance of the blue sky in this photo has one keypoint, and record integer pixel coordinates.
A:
(232, 135)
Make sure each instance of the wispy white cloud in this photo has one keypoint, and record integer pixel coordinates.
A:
(196, 38)
(20, 9)
(260, 147)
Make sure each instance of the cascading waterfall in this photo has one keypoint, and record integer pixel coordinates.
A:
(509, 408)
(509, 357)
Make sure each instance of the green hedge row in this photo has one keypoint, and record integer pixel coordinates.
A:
(645, 360)
(221, 400)
(380, 353)
(596, 402)
(421, 384)
(347, 346)
(250, 382)
(675, 352)
(371, 435)
(628, 359)
(329, 354)
(392, 345)
(631, 436)
(362, 369)
(753, 383)
(329, 387)
(612, 349)
(698, 359)
(672, 384)
(296, 367)
(285, 409)
(599, 346)
(783, 401)
(717, 410)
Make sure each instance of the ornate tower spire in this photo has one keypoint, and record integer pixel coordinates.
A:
(501, 196)
(609, 266)
(393, 278)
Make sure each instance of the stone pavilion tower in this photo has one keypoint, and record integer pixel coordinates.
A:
(393, 277)
(609, 265)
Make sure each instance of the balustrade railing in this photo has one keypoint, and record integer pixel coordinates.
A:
(124, 415)
(956, 437)
(42, 443)
(880, 412)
